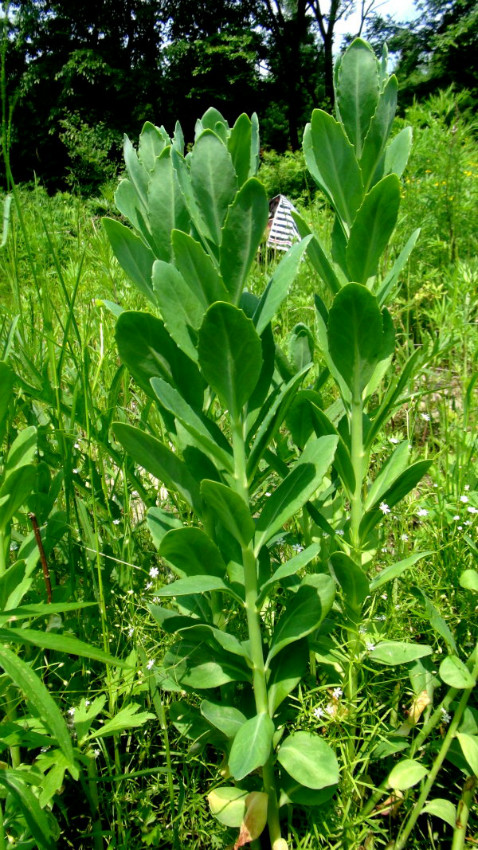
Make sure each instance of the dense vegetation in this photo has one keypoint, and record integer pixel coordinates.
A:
(78, 76)
(106, 742)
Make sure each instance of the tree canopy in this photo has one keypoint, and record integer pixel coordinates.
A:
(79, 75)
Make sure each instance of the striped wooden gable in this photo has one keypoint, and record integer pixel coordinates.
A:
(282, 228)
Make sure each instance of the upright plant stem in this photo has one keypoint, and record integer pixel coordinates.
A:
(356, 504)
(417, 809)
(254, 629)
(463, 813)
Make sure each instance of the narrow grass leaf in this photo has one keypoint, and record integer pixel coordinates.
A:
(36, 819)
(38, 697)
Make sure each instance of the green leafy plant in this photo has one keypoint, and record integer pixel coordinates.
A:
(248, 619)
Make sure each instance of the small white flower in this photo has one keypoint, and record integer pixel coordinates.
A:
(468, 522)
(130, 592)
(337, 693)
(425, 416)
(384, 508)
(131, 631)
(422, 512)
(369, 646)
(445, 716)
(384, 596)
(116, 521)
(267, 494)
(76, 446)
(467, 487)
(87, 702)
(331, 709)
(96, 753)
(472, 510)
(340, 532)
(318, 712)
(150, 664)
(154, 572)
(75, 471)
(148, 585)
(71, 712)
(456, 517)
(393, 440)
(464, 499)
(404, 537)
(156, 600)
(297, 547)
(460, 527)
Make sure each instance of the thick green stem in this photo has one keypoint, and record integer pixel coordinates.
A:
(3, 841)
(357, 456)
(463, 813)
(255, 634)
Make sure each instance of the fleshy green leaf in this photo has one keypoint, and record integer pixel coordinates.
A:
(297, 487)
(469, 580)
(191, 551)
(356, 336)
(166, 206)
(372, 228)
(160, 461)
(213, 180)
(309, 760)
(469, 746)
(181, 309)
(406, 774)
(304, 612)
(331, 160)
(147, 349)
(286, 671)
(226, 718)
(279, 285)
(228, 805)
(242, 234)
(198, 269)
(357, 90)
(393, 652)
(456, 674)
(132, 254)
(230, 509)
(230, 355)
(251, 746)
(352, 580)
(443, 809)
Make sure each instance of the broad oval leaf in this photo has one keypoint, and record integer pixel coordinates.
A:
(309, 760)
(406, 774)
(230, 509)
(228, 805)
(132, 254)
(296, 488)
(200, 666)
(251, 746)
(355, 335)
(372, 228)
(357, 91)
(213, 181)
(469, 746)
(160, 461)
(230, 355)
(191, 552)
(304, 612)
(392, 652)
(331, 160)
(242, 234)
(469, 580)
(443, 809)
(455, 673)
(224, 717)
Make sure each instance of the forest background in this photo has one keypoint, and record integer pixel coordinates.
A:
(77, 76)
